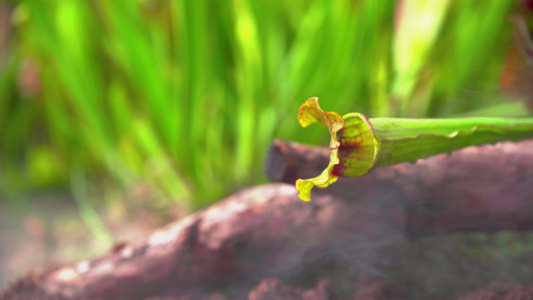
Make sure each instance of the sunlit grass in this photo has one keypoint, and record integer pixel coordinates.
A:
(185, 96)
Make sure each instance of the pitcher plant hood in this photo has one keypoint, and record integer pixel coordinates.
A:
(353, 145)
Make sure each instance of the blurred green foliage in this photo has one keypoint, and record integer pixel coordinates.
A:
(185, 96)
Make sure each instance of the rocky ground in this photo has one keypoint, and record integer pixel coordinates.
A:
(449, 227)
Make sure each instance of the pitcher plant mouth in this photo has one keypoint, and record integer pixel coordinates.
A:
(353, 145)
(359, 144)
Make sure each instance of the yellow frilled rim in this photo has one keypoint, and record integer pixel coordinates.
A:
(353, 145)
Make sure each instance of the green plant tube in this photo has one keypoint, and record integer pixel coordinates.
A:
(359, 144)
